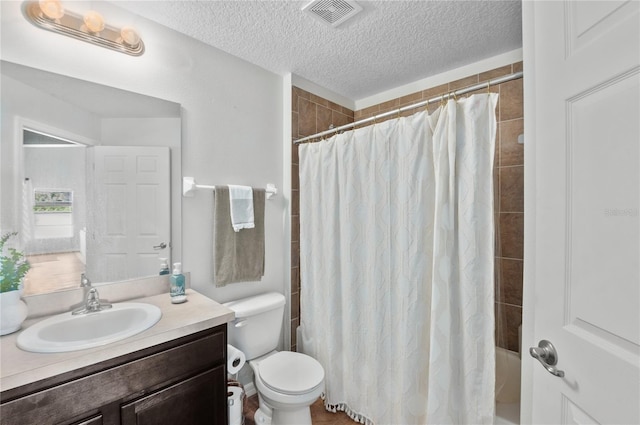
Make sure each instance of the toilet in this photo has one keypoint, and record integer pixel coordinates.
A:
(287, 382)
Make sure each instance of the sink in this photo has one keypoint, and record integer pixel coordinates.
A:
(67, 332)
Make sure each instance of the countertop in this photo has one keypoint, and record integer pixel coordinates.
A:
(18, 367)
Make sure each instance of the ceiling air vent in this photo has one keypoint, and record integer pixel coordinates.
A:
(332, 12)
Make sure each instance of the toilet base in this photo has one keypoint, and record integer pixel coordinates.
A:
(266, 415)
(261, 418)
(291, 417)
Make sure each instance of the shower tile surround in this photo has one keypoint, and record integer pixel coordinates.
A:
(312, 114)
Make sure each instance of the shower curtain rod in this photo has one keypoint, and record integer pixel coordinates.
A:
(500, 80)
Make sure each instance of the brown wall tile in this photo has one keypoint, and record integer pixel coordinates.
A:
(295, 304)
(323, 118)
(435, 91)
(496, 190)
(510, 281)
(295, 254)
(295, 228)
(513, 321)
(511, 106)
(511, 152)
(294, 334)
(494, 73)
(294, 154)
(338, 119)
(294, 125)
(295, 176)
(463, 82)
(512, 189)
(371, 110)
(306, 117)
(346, 111)
(318, 100)
(410, 99)
(295, 202)
(389, 105)
(517, 67)
(511, 235)
(508, 319)
(295, 280)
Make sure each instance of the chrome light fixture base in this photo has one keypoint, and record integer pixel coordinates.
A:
(73, 25)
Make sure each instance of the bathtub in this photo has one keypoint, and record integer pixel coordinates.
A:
(507, 387)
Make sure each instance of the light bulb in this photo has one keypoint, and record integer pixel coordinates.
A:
(52, 9)
(93, 21)
(129, 36)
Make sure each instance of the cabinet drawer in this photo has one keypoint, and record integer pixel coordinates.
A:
(120, 383)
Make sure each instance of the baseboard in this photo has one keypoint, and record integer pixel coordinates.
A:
(250, 389)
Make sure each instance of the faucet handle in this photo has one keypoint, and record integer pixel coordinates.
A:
(84, 280)
(93, 300)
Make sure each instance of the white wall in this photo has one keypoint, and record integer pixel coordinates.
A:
(231, 122)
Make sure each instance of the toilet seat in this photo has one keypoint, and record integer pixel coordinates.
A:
(291, 373)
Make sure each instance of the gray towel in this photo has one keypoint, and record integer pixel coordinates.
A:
(237, 256)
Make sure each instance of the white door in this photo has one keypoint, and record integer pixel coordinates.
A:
(131, 217)
(582, 284)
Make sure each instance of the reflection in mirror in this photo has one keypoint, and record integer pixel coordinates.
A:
(53, 228)
(95, 170)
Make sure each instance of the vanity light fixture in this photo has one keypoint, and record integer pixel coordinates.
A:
(90, 27)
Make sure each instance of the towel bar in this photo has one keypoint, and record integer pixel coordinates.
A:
(189, 186)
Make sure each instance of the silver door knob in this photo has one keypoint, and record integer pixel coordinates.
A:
(546, 354)
(161, 246)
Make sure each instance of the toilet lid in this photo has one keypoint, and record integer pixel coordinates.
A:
(291, 373)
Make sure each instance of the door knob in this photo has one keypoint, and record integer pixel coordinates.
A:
(161, 246)
(546, 354)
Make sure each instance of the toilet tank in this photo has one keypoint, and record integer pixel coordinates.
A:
(256, 329)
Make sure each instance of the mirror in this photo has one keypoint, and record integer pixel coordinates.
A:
(95, 180)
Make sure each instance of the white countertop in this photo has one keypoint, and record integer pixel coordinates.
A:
(18, 367)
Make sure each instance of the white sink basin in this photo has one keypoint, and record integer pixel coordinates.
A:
(67, 332)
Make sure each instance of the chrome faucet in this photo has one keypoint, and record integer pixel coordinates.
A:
(92, 304)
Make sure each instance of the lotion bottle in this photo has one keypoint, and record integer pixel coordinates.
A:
(177, 285)
(164, 267)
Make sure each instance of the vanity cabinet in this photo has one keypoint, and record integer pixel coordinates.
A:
(178, 382)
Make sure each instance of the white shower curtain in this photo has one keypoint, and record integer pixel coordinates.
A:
(396, 262)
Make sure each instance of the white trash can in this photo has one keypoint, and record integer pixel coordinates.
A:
(234, 403)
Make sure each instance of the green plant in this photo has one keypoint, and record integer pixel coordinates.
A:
(13, 266)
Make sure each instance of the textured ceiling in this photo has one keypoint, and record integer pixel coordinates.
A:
(388, 44)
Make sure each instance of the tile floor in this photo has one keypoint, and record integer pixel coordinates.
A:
(319, 415)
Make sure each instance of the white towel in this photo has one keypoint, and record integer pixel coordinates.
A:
(241, 207)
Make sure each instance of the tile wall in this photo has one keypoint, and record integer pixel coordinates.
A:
(312, 114)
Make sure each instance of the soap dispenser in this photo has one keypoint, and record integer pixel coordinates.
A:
(164, 267)
(176, 280)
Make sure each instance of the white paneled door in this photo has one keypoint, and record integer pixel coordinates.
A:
(131, 220)
(582, 284)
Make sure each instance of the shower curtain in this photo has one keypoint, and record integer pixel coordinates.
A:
(396, 263)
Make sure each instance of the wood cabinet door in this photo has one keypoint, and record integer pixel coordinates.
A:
(197, 400)
(96, 420)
